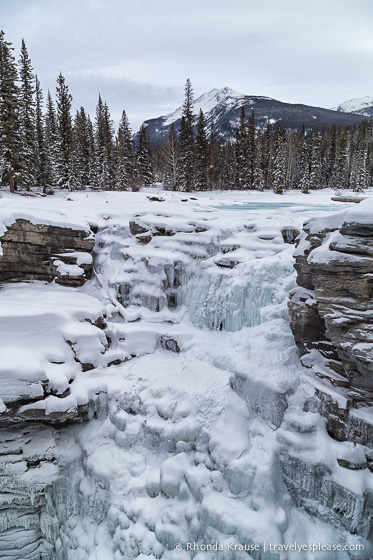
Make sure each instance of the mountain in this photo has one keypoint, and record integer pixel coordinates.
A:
(222, 107)
(357, 105)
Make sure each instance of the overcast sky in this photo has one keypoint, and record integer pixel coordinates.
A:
(138, 53)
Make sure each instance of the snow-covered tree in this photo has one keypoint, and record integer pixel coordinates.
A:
(104, 133)
(27, 129)
(342, 161)
(169, 158)
(278, 160)
(65, 132)
(127, 159)
(315, 159)
(201, 154)
(242, 154)
(43, 163)
(144, 158)
(186, 143)
(10, 164)
(251, 148)
(52, 140)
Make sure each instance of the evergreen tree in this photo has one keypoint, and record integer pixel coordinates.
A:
(201, 154)
(10, 165)
(28, 147)
(186, 143)
(81, 150)
(243, 170)
(315, 159)
(52, 140)
(266, 154)
(144, 159)
(359, 179)
(128, 151)
(258, 173)
(342, 161)
(104, 132)
(304, 165)
(91, 147)
(43, 167)
(170, 156)
(65, 132)
(251, 149)
(228, 168)
(122, 179)
(331, 157)
(278, 160)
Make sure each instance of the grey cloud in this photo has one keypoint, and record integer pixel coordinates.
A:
(139, 53)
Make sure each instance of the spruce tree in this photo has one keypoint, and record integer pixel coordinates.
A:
(201, 154)
(266, 154)
(128, 150)
(122, 180)
(105, 153)
(342, 161)
(10, 165)
(251, 148)
(304, 163)
(43, 167)
(186, 143)
(91, 147)
(315, 159)
(258, 173)
(144, 159)
(359, 179)
(81, 149)
(52, 141)
(28, 147)
(331, 163)
(243, 170)
(169, 157)
(65, 132)
(278, 160)
(212, 157)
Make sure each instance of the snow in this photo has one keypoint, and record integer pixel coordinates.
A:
(180, 447)
(207, 102)
(355, 104)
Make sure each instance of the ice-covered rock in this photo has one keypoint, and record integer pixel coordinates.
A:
(200, 425)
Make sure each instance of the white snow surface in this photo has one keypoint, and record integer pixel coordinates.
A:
(355, 104)
(185, 445)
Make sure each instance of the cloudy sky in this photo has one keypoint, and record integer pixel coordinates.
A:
(138, 53)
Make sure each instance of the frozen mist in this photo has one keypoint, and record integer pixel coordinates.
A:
(195, 426)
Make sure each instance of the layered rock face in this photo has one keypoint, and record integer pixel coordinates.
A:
(332, 309)
(331, 314)
(49, 337)
(46, 252)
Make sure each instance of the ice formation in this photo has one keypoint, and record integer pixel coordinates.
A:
(178, 358)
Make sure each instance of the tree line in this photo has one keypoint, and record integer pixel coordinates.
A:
(51, 148)
(44, 145)
(259, 159)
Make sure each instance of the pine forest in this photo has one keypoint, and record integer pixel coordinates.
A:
(42, 144)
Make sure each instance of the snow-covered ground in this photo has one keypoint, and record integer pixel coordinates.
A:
(183, 446)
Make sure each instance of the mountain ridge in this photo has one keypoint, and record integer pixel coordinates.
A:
(222, 108)
(357, 105)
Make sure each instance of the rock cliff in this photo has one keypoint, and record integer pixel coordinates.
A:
(331, 313)
(32, 251)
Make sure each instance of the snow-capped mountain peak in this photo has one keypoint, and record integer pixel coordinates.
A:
(359, 105)
(207, 102)
(222, 110)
